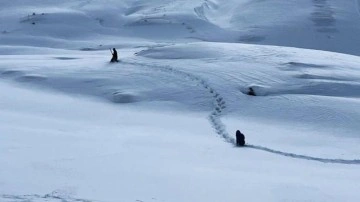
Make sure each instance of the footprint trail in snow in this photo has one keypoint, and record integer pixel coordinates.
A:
(220, 104)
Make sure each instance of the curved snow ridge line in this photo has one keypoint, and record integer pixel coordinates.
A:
(218, 101)
(310, 158)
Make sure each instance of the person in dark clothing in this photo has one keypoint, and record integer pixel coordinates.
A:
(240, 138)
(114, 56)
(251, 92)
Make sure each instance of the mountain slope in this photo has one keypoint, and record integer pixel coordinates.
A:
(331, 25)
(160, 124)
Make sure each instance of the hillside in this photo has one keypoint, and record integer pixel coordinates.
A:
(160, 124)
(331, 25)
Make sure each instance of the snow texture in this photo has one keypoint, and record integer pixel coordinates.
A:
(160, 124)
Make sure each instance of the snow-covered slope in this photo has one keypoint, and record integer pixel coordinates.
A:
(332, 25)
(160, 124)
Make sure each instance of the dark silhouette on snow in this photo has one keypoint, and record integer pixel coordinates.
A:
(240, 139)
(114, 56)
(251, 92)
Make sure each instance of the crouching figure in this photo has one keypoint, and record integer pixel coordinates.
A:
(251, 92)
(240, 139)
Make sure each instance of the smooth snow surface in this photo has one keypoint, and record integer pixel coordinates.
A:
(160, 124)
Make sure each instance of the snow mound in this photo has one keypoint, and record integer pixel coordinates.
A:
(12, 73)
(31, 78)
(124, 97)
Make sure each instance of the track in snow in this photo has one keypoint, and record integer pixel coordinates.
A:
(220, 104)
(310, 158)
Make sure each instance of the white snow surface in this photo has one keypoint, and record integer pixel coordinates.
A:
(160, 124)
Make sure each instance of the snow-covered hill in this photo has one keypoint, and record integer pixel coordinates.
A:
(332, 25)
(160, 124)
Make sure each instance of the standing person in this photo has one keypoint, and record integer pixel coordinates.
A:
(114, 56)
(240, 138)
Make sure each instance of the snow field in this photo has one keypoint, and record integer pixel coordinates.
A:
(160, 124)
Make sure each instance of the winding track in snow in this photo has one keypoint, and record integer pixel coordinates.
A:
(218, 101)
(299, 156)
(220, 104)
